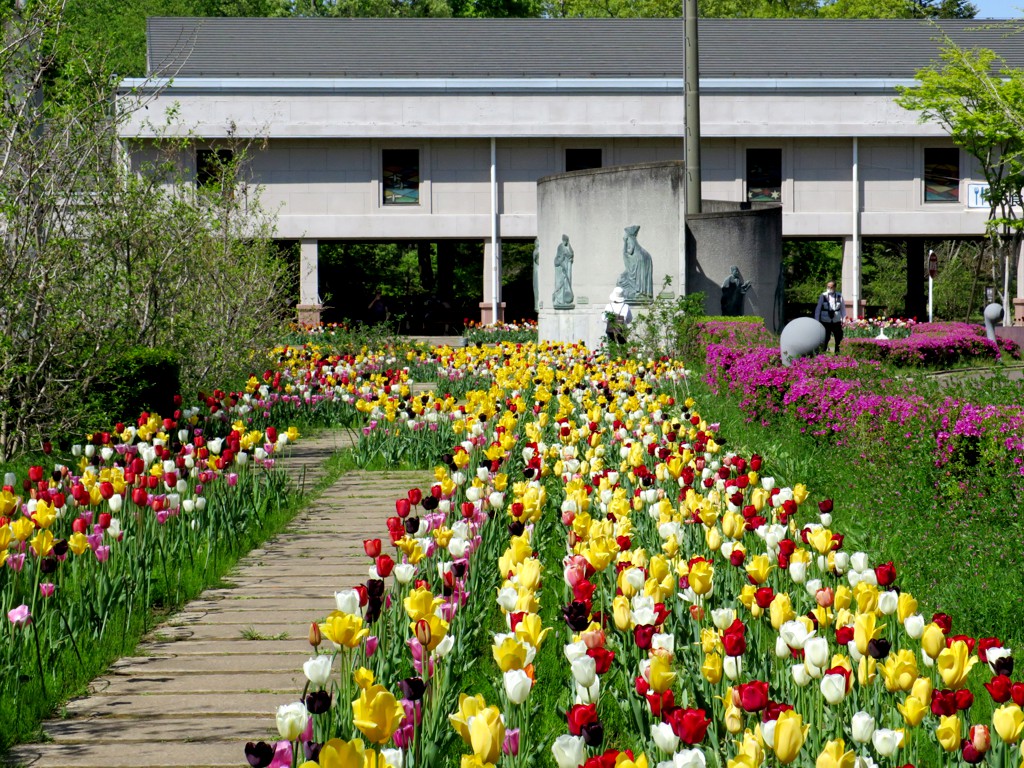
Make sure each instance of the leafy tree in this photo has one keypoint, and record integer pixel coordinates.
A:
(96, 260)
(980, 102)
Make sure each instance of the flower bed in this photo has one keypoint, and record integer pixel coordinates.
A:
(876, 327)
(934, 345)
(522, 332)
(594, 580)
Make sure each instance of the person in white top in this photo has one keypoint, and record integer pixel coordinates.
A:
(830, 312)
(618, 316)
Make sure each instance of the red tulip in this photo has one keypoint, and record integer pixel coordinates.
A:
(690, 725)
(580, 715)
(886, 574)
(734, 638)
(402, 507)
(384, 566)
(371, 547)
(271, 433)
(35, 474)
(752, 696)
(415, 495)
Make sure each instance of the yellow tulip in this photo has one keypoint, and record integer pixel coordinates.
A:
(913, 711)
(710, 640)
(486, 734)
(1008, 721)
(363, 677)
(344, 629)
(42, 543)
(865, 630)
(867, 671)
(420, 603)
(843, 598)
(781, 610)
(620, 613)
(933, 641)
(948, 732)
(5, 536)
(800, 493)
(733, 525)
(22, 528)
(711, 669)
(906, 606)
(661, 675)
(438, 630)
(377, 713)
(622, 760)
(474, 761)
(78, 543)
(922, 689)
(511, 654)
(836, 755)
(337, 753)
(790, 733)
(821, 540)
(955, 663)
(44, 515)
(701, 577)
(530, 630)
(469, 707)
(528, 573)
(866, 596)
(900, 671)
(758, 568)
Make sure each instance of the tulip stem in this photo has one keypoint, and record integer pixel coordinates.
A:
(39, 658)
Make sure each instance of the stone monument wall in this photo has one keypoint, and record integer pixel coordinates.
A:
(746, 235)
(594, 208)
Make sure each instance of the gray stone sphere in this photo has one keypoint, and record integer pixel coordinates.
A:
(800, 337)
(993, 315)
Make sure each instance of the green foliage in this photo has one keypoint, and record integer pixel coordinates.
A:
(808, 265)
(139, 379)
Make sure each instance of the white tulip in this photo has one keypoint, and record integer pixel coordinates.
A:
(995, 654)
(665, 642)
(781, 648)
(291, 720)
(842, 562)
(588, 695)
(347, 601)
(859, 561)
(886, 741)
(798, 572)
(723, 617)
(574, 651)
(584, 670)
(826, 519)
(861, 727)
(855, 654)
(768, 733)
(914, 625)
(833, 688)
(115, 503)
(517, 686)
(664, 738)
(795, 634)
(394, 757)
(445, 646)
(688, 758)
(813, 586)
(888, 602)
(816, 651)
(404, 572)
(800, 676)
(569, 751)
(732, 666)
(318, 670)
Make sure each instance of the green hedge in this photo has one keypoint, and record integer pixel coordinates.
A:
(141, 379)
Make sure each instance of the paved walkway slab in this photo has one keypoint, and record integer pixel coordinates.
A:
(211, 677)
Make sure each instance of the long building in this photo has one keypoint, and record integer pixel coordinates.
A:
(436, 130)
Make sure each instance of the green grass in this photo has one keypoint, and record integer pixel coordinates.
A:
(71, 676)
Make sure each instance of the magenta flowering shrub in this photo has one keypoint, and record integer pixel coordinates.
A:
(735, 333)
(933, 345)
(842, 398)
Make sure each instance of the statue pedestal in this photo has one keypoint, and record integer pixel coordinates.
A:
(1018, 311)
(308, 314)
(487, 310)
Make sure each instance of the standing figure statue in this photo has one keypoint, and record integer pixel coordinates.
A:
(733, 291)
(536, 275)
(563, 297)
(637, 280)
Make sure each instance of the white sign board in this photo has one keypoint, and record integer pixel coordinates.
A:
(977, 196)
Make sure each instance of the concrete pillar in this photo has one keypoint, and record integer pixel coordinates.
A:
(309, 283)
(851, 276)
(487, 305)
(1018, 302)
(917, 302)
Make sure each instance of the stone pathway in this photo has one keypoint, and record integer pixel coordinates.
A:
(197, 688)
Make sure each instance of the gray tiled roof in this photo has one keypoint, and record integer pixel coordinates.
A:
(191, 47)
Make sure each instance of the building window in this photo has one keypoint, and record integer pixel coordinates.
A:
(764, 175)
(401, 168)
(941, 175)
(582, 159)
(212, 166)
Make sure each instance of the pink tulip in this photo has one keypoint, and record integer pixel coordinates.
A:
(47, 589)
(16, 562)
(511, 744)
(20, 616)
(103, 554)
(282, 755)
